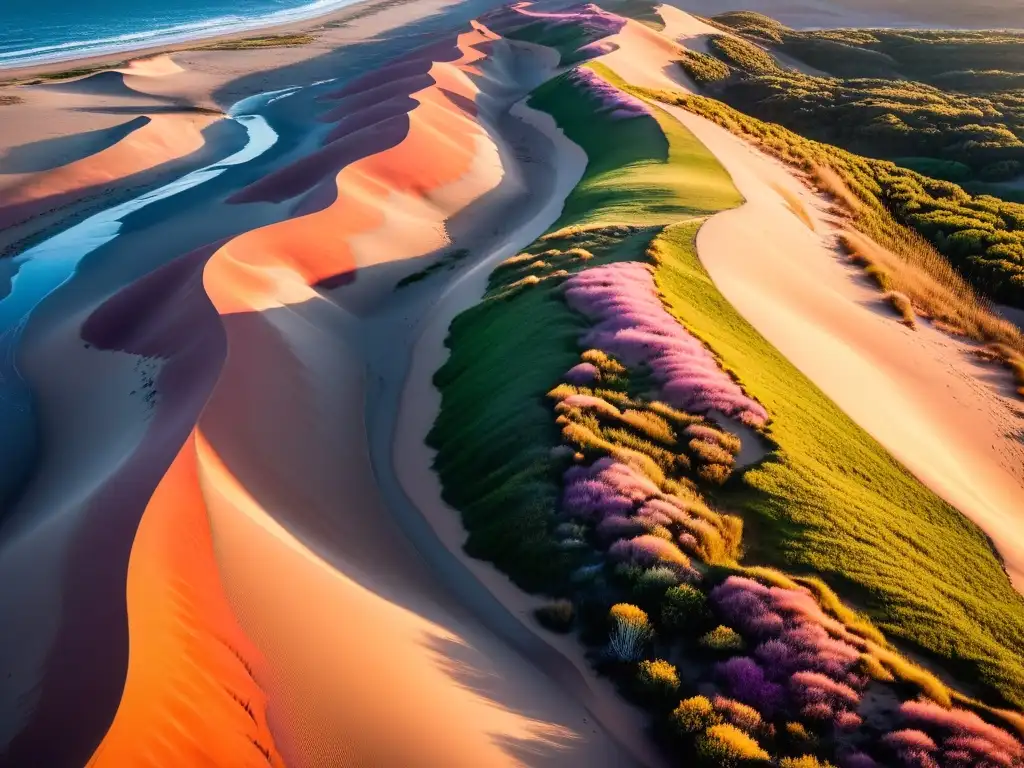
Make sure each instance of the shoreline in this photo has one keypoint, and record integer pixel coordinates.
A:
(19, 74)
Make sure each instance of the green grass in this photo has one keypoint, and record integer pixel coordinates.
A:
(833, 502)
(632, 176)
(495, 431)
(264, 41)
(830, 501)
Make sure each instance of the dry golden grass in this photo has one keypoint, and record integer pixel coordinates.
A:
(826, 179)
(922, 277)
(903, 307)
(795, 204)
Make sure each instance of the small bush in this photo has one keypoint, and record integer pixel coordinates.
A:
(807, 761)
(873, 668)
(694, 715)
(744, 717)
(631, 630)
(557, 616)
(657, 682)
(722, 639)
(799, 736)
(683, 607)
(727, 746)
(903, 306)
(652, 583)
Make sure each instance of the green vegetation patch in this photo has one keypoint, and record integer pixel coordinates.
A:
(981, 236)
(265, 41)
(631, 175)
(495, 433)
(829, 500)
(950, 96)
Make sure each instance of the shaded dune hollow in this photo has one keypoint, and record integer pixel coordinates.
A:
(245, 598)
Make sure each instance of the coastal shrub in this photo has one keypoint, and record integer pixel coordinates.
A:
(798, 734)
(704, 69)
(657, 682)
(746, 681)
(727, 746)
(723, 639)
(630, 323)
(744, 717)
(652, 583)
(557, 616)
(873, 668)
(903, 307)
(910, 740)
(694, 715)
(683, 608)
(631, 631)
(745, 56)
(930, 715)
(806, 761)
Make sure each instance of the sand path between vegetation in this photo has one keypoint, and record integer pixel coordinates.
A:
(950, 419)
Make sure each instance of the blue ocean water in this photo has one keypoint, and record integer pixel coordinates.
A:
(41, 31)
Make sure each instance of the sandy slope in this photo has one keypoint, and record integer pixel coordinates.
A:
(920, 393)
(420, 402)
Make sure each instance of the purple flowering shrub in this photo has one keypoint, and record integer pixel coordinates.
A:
(632, 325)
(609, 101)
(769, 655)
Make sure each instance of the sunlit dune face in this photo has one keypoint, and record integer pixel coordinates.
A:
(409, 155)
(386, 681)
(191, 697)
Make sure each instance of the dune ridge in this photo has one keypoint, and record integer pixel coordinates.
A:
(288, 562)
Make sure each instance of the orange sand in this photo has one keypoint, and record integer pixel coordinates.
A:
(164, 138)
(190, 696)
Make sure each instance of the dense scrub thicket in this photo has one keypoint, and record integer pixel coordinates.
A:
(952, 96)
(935, 138)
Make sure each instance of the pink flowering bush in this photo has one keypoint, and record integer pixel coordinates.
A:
(961, 722)
(910, 739)
(648, 550)
(632, 325)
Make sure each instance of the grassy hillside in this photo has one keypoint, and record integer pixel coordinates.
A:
(828, 499)
(576, 477)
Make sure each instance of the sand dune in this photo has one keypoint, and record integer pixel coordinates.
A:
(817, 14)
(340, 612)
(162, 138)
